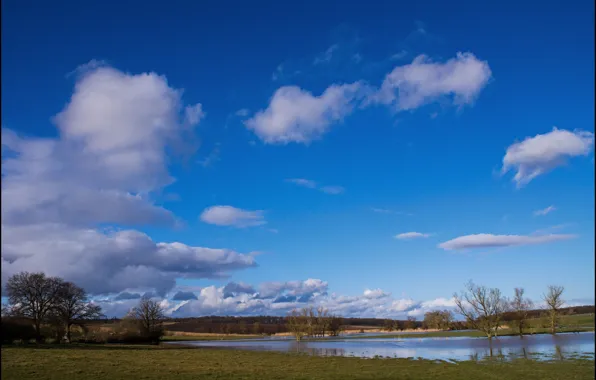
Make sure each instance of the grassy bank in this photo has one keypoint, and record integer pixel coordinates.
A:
(473, 334)
(195, 337)
(146, 362)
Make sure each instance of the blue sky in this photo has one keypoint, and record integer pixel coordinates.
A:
(327, 133)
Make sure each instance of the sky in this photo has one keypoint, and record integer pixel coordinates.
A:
(238, 159)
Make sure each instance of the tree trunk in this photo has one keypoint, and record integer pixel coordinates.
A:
(68, 325)
(38, 331)
(521, 329)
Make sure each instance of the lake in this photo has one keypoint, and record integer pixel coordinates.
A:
(536, 347)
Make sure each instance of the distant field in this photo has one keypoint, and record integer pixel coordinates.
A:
(198, 336)
(103, 362)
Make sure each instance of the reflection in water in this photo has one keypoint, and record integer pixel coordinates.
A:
(536, 347)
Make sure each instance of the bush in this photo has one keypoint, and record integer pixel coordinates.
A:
(13, 329)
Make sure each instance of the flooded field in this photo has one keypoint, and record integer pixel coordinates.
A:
(536, 347)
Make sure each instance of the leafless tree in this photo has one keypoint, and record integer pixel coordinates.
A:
(520, 307)
(482, 308)
(33, 295)
(554, 303)
(149, 315)
(322, 321)
(297, 323)
(388, 325)
(335, 325)
(72, 306)
(410, 323)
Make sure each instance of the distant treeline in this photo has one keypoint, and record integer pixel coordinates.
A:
(273, 325)
(574, 310)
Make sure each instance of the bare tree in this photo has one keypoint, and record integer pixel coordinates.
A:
(482, 307)
(72, 307)
(554, 303)
(322, 321)
(520, 307)
(410, 323)
(388, 325)
(335, 325)
(297, 323)
(33, 295)
(149, 315)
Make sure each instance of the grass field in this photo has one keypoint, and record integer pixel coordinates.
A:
(157, 362)
(195, 337)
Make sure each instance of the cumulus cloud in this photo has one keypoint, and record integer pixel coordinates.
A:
(184, 296)
(411, 235)
(232, 216)
(296, 115)
(115, 139)
(540, 154)
(107, 262)
(284, 296)
(421, 82)
(127, 296)
(235, 288)
(314, 185)
(293, 288)
(489, 240)
(545, 211)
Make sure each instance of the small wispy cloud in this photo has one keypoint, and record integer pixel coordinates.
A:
(211, 158)
(400, 55)
(387, 211)
(545, 211)
(411, 235)
(232, 216)
(326, 56)
(310, 184)
(494, 241)
(332, 189)
(242, 112)
(278, 73)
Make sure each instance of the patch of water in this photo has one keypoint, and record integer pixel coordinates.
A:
(534, 347)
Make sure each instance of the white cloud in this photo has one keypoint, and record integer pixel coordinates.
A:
(295, 115)
(111, 261)
(104, 168)
(375, 293)
(303, 182)
(110, 155)
(194, 114)
(421, 82)
(489, 240)
(232, 216)
(314, 185)
(545, 211)
(278, 298)
(400, 55)
(411, 235)
(387, 211)
(326, 56)
(542, 153)
(332, 189)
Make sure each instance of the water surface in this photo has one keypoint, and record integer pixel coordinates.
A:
(537, 347)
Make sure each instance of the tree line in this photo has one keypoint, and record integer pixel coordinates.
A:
(43, 307)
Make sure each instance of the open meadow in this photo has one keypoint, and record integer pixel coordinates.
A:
(95, 362)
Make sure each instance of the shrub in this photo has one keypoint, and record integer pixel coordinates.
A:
(14, 329)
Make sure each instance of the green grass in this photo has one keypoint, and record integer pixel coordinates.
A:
(447, 334)
(145, 362)
(178, 338)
